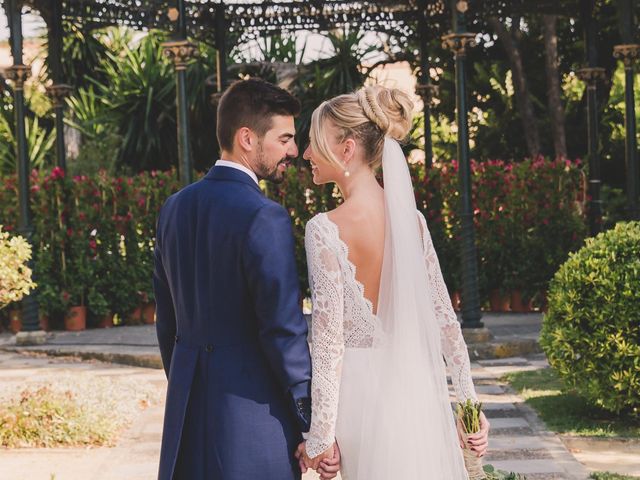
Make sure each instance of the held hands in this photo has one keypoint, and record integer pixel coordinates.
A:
(477, 442)
(327, 464)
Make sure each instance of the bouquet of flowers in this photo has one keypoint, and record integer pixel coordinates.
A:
(15, 275)
(469, 417)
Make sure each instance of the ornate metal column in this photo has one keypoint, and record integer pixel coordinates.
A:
(18, 74)
(221, 47)
(458, 42)
(427, 92)
(629, 53)
(58, 91)
(425, 89)
(181, 51)
(591, 75)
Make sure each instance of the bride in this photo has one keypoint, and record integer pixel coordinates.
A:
(382, 318)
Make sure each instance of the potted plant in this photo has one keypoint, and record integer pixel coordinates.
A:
(98, 308)
(140, 256)
(49, 302)
(15, 319)
(15, 274)
(77, 277)
(75, 295)
(469, 416)
(149, 309)
(121, 299)
(145, 288)
(75, 318)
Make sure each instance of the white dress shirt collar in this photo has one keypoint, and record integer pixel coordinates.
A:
(237, 166)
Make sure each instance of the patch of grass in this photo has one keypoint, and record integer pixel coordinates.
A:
(43, 417)
(566, 412)
(71, 412)
(610, 476)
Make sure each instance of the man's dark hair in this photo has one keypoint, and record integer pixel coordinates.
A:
(251, 103)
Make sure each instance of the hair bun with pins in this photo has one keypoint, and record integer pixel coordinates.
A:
(388, 108)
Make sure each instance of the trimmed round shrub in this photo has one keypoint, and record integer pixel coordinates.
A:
(591, 332)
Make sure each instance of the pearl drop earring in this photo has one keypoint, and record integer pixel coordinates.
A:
(346, 169)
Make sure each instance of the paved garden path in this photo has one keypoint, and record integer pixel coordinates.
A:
(518, 440)
(513, 335)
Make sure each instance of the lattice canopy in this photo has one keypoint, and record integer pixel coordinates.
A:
(247, 18)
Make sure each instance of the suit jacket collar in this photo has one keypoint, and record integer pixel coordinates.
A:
(231, 174)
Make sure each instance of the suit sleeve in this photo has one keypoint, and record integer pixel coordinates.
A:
(270, 268)
(165, 313)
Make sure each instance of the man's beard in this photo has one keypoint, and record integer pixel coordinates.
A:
(266, 173)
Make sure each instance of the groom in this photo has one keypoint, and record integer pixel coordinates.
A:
(232, 336)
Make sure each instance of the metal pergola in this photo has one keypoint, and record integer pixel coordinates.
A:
(215, 21)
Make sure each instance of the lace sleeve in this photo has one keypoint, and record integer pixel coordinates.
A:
(327, 350)
(454, 347)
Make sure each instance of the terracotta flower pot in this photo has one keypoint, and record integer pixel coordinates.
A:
(498, 301)
(106, 321)
(456, 300)
(517, 305)
(76, 319)
(135, 317)
(15, 320)
(149, 313)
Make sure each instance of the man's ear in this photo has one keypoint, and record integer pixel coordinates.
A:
(245, 139)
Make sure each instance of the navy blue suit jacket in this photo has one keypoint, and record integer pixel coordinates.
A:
(232, 335)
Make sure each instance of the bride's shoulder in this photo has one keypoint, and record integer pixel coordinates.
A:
(315, 220)
(315, 225)
(320, 230)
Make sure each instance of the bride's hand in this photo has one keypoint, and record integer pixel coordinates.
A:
(329, 467)
(477, 442)
(314, 462)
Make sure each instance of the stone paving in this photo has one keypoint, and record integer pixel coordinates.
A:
(518, 440)
(134, 458)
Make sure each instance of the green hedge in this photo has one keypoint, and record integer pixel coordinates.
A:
(93, 238)
(94, 234)
(591, 333)
(528, 216)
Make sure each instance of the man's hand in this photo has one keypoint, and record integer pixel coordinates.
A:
(329, 467)
(300, 452)
(477, 442)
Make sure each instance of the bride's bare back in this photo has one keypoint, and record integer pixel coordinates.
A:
(361, 228)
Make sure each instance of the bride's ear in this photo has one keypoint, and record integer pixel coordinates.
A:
(348, 149)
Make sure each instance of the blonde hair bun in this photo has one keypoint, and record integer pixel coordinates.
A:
(389, 108)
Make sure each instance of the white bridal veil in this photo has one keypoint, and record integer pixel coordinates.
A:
(408, 424)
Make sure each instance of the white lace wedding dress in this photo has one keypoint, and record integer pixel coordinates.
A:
(345, 332)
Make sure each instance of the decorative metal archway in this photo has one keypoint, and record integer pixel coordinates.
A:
(214, 21)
